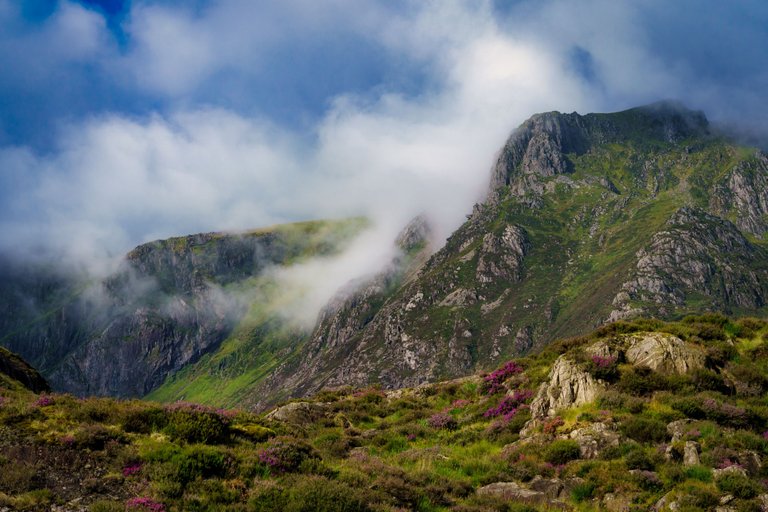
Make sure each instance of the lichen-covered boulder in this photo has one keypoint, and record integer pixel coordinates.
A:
(595, 438)
(298, 413)
(663, 353)
(567, 385)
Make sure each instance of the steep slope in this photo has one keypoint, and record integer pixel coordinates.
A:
(171, 302)
(588, 219)
(14, 368)
(264, 341)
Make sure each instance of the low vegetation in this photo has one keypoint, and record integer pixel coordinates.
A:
(425, 449)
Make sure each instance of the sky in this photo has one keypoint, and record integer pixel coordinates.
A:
(126, 121)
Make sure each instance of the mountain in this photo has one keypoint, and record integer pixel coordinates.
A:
(636, 416)
(170, 303)
(588, 219)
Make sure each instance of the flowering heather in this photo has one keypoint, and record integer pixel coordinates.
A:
(271, 458)
(442, 420)
(765, 435)
(3, 400)
(494, 381)
(45, 401)
(285, 455)
(460, 403)
(67, 440)
(132, 469)
(602, 363)
(728, 463)
(510, 404)
(144, 504)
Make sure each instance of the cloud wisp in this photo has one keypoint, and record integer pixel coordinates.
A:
(211, 156)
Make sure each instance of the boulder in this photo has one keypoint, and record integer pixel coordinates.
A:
(616, 503)
(298, 413)
(735, 469)
(663, 353)
(555, 488)
(594, 439)
(677, 429)
(567, 386)
(691, 453)
(512, 491)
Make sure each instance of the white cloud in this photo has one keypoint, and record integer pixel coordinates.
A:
(116, 181)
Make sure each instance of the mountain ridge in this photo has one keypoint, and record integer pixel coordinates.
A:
(589, 219)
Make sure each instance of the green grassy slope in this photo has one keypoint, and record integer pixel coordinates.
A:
(264, 337)
(429, 449)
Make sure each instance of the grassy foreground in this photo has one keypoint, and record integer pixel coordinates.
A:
(428, 449)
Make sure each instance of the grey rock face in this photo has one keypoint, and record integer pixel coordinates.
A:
(539, 147)
(298, 413)
(501, 257)
(594, 439)
(691, 453)
(567, 386)
(663, 353)
(700, 254)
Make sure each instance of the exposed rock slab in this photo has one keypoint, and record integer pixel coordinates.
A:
(567, 386)
(663, 353)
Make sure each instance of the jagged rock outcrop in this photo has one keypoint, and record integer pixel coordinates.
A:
(539, 147)
(501, 256)
(663, 353)
(696, 254)
(566, 386)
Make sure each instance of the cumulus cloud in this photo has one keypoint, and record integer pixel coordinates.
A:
(117, 179)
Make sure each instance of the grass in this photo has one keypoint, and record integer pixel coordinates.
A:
(375, 451)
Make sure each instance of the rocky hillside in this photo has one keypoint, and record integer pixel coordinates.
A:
(172, 302)
(588, 219)
(636, 416)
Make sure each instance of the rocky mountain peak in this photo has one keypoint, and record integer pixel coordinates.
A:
(542, 145)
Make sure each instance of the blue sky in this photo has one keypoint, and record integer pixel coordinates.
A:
(121, 122)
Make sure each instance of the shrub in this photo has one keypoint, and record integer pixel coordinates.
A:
(644, 430)
(442, 420)
(583, 492)
(510, 404)
(144, 421)
(691, 407)
(738, 485)
(144, 504)
(648, 480)
(639, 459)
(194, 423)
(562, 451)
(285, 454)
(605, 368)
(317, 494)
(106, 506)
(642, 381)
(700, 473)
(698, 497)
(494, 382)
